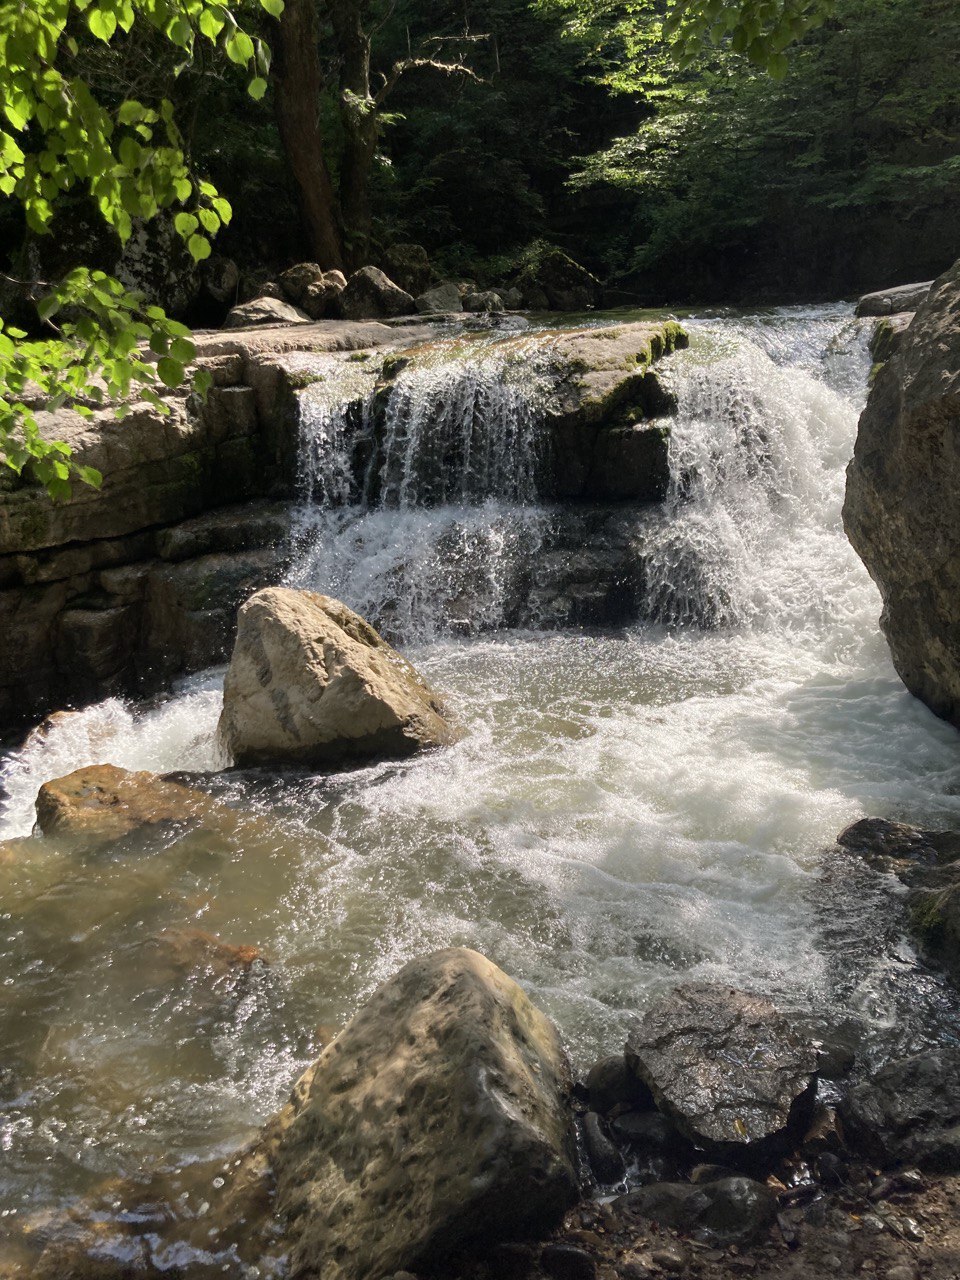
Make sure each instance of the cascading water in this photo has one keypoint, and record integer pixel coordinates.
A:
(624, 808)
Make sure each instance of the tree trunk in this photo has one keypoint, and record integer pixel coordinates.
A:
(360, 120)
(298, 89)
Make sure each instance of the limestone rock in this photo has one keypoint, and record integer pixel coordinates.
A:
(264, 311)
(445, 297)
(901, 511)
(310, 682)
(909, 1111)
(724, 1065)
(888, 335)
(885, 302)
(296, 280)
(371, 295)
(103, 802)
(438, 1118)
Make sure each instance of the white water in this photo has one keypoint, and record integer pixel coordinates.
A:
(623, 809)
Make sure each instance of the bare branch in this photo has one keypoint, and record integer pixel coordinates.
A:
(400, 68)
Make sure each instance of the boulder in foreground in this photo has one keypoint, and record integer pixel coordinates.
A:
(103, 802)
(439, 1117)
(725, 1066)
(909, 1111)
(310, 682)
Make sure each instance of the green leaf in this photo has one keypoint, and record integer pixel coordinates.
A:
(102, 24)
(170, 371)
(202, 381)
(183, 350)
(90, 476)
(211, 222)
(199, 248)
(185, 224)
(273, 7)
(257, 88)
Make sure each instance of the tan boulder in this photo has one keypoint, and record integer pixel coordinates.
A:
(438, 1117)
(104, 802)
(311, 682)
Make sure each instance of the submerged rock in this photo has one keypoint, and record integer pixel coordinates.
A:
(310, 682)
(371, 295)
(103, 802)
(885, 302)
(727, 1211)
(901, 511)
(909, 1112)
(437, 1118)
(725, 1066)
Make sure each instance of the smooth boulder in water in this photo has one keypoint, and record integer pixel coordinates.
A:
(725, 1066)
(437, 1119)
(310, 682)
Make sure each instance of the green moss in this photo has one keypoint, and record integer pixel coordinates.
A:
(301, 380)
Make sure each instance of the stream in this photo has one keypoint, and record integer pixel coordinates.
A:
(626, 807)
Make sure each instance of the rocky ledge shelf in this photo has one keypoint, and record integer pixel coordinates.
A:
(116, 591)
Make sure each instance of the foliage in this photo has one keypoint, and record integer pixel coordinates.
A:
(57, 136)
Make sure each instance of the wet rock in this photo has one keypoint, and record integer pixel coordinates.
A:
(725, 1066)
(610, 1083)
(648, 1131)
(264, 311)
(606, 1162)
(445, 297)
(881, 842)
(103, 802)
(730, 1210)
(888, 335)
(885, 302)
(438, 1118)
(631, 463)
(909, 1112)
(567, 1262)
(486, 301)
(371, 295)
(901, 512)
(670, 1259)
(181, 952)
(310, 682)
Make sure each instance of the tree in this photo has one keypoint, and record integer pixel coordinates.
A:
(57, 136)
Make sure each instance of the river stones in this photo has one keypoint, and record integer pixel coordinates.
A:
(725, 1066)
(264, 311)
(885, 302)
(103, 802)
(727, 1211)
(444, 297)
(909, 1112)
(372, 295)
(438, 1117)
(310, 682)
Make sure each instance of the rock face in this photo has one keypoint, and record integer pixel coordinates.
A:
(725, 1066)
(103, 802)
(371, 295)
(888, 336)
(437, 1118)
(901, 511)
(311, 683)
(886, 302)
(264, 311)
(909, 1111)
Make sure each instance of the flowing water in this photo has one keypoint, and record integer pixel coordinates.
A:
(625, 808)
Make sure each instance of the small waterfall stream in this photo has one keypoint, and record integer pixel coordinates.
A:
(627, 806)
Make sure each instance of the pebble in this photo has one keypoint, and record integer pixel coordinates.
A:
(912, 1230)
(669, 1259)
(832, 1262)
(567, 1262)
(910, 1180)
(901, 1272)
(635, 1267)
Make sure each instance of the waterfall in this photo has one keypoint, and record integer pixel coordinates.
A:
(444, 463)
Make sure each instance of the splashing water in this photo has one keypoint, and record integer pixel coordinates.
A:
(624, 808)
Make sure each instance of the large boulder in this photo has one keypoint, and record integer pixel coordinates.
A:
(438, 1118)
(264, 311)
(909, 1111)
(409, 265)
(552, 281)
(445, 297)
(725, 1066)
(901, 511)
(103, 802)
(371, 295)
(886, 302)
(311, 683)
